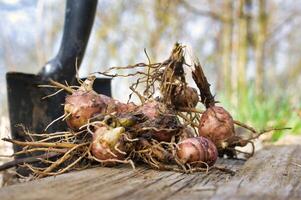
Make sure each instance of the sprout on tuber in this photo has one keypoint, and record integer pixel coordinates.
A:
(108, 143)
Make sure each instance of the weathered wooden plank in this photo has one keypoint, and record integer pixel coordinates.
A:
(271, 173)
(203, 187)
(172, 186)
(274, 173)
(114, 183)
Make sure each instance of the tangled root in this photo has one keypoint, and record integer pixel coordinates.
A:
(144, 138)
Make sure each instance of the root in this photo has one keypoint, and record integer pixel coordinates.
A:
(189, 110)
(148, 75)
(129, 139)
(61, 86)
(118, 150)
(72, 164)
(186, 119)
(40, 149)
(66, 116)
(65, 157)
(41, 144)
(110, 152)
(53, 94)
(296, 164)
(245, 126)
(138, 65)
(142, 98)
(115, 161)
(121, 75)
(268, 130)
(53, 166)
(57, 119)
(157, 129)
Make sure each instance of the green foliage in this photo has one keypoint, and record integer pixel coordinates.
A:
(274, 111)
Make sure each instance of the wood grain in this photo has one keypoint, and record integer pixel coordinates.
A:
(272, 173)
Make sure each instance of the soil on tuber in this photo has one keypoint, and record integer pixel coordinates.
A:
(166, 130)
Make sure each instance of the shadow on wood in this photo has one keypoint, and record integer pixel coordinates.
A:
(272, 173)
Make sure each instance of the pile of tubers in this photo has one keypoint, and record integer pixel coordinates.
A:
(165, 131)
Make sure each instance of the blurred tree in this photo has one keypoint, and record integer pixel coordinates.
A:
(260, 47)
(242, 47)
(227, 37)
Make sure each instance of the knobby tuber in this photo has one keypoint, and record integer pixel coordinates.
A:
(217, 125)
(166, 130)
(197, 151)
(108, 143)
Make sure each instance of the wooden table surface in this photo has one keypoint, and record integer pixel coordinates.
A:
(273, 173)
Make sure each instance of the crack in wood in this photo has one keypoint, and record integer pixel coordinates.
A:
(269, 174)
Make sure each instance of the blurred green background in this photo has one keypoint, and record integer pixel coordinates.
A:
(250, 49)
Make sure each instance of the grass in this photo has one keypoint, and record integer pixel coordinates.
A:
(274, 111)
